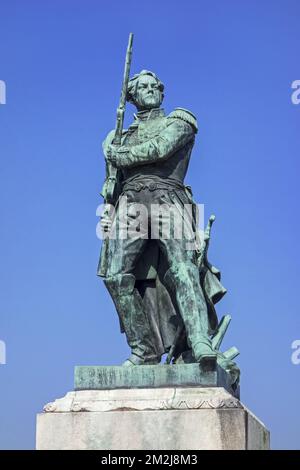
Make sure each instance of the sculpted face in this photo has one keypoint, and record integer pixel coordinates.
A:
(147, 95)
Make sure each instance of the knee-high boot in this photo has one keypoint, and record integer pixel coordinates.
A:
(128, 303)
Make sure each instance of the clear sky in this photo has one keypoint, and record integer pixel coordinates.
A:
(232, 64)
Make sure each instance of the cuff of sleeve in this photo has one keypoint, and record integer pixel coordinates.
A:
(122, 156)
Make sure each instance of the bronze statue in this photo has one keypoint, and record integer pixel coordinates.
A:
(164, 289)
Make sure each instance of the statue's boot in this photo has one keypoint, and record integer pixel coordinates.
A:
(133, 318)
(183, 280)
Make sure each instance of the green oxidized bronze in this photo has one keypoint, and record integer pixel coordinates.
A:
(164, 289)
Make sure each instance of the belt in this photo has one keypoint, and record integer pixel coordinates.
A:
(152, 185)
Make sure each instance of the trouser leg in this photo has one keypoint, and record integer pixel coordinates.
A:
(183, 279)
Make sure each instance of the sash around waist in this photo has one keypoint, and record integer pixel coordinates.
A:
(152, 183)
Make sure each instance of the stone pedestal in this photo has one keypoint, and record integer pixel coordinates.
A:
(175, 417)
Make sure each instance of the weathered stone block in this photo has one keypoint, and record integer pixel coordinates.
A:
(170, 418)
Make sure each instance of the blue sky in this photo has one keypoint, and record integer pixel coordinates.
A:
(232, 64)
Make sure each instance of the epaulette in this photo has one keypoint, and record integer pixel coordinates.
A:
(185, 115)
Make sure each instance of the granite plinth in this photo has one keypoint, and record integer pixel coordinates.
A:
(173, 418)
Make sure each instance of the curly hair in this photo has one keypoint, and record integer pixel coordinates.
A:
(133, 82)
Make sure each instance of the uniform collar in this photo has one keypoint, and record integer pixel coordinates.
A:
(148, 114)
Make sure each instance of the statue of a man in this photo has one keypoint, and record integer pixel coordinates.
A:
(155, 283)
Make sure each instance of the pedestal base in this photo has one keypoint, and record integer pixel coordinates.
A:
(170, 418)
(208, 374)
